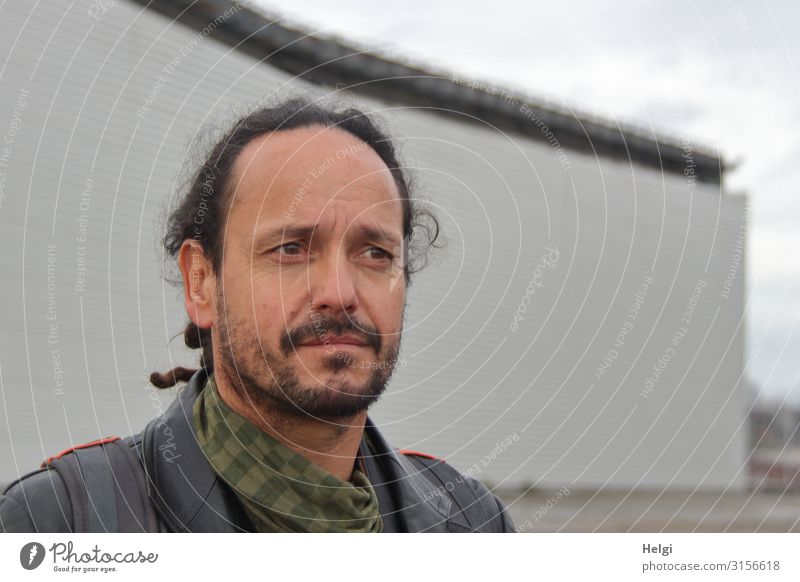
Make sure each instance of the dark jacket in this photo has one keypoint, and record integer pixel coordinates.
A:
(190, 497)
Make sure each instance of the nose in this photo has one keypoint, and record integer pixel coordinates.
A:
(332, 287)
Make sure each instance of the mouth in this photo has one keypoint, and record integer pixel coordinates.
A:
(337, 342)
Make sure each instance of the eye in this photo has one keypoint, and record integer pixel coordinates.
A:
(378, 258)
(288, 249)
(379, 254)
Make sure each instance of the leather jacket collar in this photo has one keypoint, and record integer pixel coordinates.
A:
(189, 496)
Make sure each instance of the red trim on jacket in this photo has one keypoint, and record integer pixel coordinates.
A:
(102, 441)
(410, 452)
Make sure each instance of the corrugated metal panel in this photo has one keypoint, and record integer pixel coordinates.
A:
(613, 226)
(471, 382)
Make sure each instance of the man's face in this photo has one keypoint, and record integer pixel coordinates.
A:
(311, 298)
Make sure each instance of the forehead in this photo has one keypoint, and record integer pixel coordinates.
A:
(311, 173)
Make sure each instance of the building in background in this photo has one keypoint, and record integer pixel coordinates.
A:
(583, 328)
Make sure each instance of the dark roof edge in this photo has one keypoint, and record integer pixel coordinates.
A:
(334, 62)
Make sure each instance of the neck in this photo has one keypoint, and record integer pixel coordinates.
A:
(330, 445)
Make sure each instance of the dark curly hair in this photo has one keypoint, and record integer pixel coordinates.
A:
(199, 213)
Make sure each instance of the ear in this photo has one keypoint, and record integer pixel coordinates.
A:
(199, 284)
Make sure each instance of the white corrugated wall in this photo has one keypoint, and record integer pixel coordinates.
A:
(86, 159)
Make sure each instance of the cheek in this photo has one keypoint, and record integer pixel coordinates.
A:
(389, 313)
(277, 313)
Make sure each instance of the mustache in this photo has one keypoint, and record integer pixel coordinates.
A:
(330, 326)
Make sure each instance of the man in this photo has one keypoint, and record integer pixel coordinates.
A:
(295, 244)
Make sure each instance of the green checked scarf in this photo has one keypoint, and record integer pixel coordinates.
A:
(280, 490)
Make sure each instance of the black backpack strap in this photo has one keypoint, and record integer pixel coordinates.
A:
(468, 512)
(107, 488)
(135, 510)
(71, 474)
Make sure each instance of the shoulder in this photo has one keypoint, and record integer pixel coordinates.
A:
(36, 503)
(39, 502)
(477, 508)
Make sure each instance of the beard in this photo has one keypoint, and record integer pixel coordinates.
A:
(267, 380)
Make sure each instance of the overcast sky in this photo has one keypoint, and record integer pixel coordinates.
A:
(722, 73)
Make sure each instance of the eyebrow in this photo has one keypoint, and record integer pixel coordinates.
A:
(292, 231)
